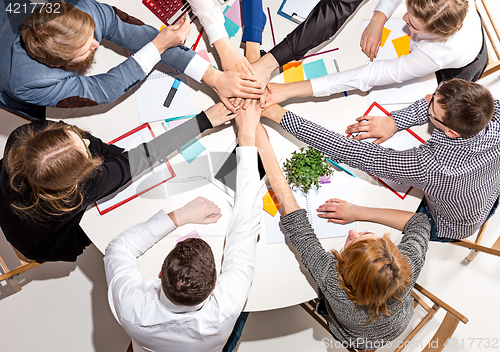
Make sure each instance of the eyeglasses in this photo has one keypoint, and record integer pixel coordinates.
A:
(79, 135)
(429, 107)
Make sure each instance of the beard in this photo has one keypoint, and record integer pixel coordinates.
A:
(82, 65)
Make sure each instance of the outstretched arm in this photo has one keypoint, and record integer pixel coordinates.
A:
(372, 35)
(341, 212)
(322, 23)
(254, 21)
(244, 225)
(273, 171)
(212, 21)
(120, 261)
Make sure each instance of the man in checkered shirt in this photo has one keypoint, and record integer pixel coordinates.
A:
(458, 168)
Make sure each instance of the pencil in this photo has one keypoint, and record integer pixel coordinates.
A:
(338, 70)
(320, 53)
(193, 47)
(271, 23)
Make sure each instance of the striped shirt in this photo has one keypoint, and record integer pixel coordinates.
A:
(459, 176)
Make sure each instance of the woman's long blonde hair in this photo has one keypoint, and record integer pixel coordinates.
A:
(371, 271)
(46, 171)
(442, 18)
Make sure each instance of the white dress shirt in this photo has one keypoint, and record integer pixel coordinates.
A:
(151, 320)
(428, 54)
(148, 56)
(211, 18)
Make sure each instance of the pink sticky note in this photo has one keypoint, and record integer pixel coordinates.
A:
(175, 123)
(234, 13)
(203, 53)
(192, 234)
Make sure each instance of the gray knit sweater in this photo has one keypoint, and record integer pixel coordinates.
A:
(347, 322)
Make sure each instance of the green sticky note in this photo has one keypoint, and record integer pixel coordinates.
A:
(315, 69)
(191, 150)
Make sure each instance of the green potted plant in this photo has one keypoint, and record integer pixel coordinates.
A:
(305, 168)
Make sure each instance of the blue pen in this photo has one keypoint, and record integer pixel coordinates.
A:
(340, 167)
(172, 92)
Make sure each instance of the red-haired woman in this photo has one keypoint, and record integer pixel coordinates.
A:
(366, 287)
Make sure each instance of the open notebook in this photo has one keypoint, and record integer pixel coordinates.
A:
(311, 201)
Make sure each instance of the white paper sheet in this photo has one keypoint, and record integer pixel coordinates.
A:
(397, 93)
(322, 228)
(153, 91)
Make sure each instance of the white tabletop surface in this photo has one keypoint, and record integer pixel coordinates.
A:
(280, 279)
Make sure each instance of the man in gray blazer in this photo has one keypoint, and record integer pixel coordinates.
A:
(39, 62)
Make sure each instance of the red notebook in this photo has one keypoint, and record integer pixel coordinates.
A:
(401, 140)
(148, 180)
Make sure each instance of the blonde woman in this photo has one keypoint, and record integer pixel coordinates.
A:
(51, 172)
(365, 288)
(446, 38)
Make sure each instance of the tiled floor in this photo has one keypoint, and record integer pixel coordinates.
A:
(63, 306)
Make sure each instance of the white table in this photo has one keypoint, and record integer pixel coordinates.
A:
(280, 279)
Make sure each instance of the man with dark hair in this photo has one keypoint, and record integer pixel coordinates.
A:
(188, 273)
(38, 67)
(191, 309)
(458, 168)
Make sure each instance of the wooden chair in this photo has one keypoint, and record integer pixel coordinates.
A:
(26, 264)
(489, 27)
(438, 341)
(475, 246)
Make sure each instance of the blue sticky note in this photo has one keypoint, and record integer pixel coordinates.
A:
(231, 27)
(315, 69)
(191, 150)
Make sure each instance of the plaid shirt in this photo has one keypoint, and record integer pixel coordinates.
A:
(460, 177)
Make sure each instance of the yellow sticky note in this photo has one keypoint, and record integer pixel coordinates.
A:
(270, 203)
(385, 35)
(402, 45)
(293, 72)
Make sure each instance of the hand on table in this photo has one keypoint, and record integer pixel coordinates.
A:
(197, 211)
(218, 114)
(380, 127)
(172, 36)
(372, 35)
(339, 211)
